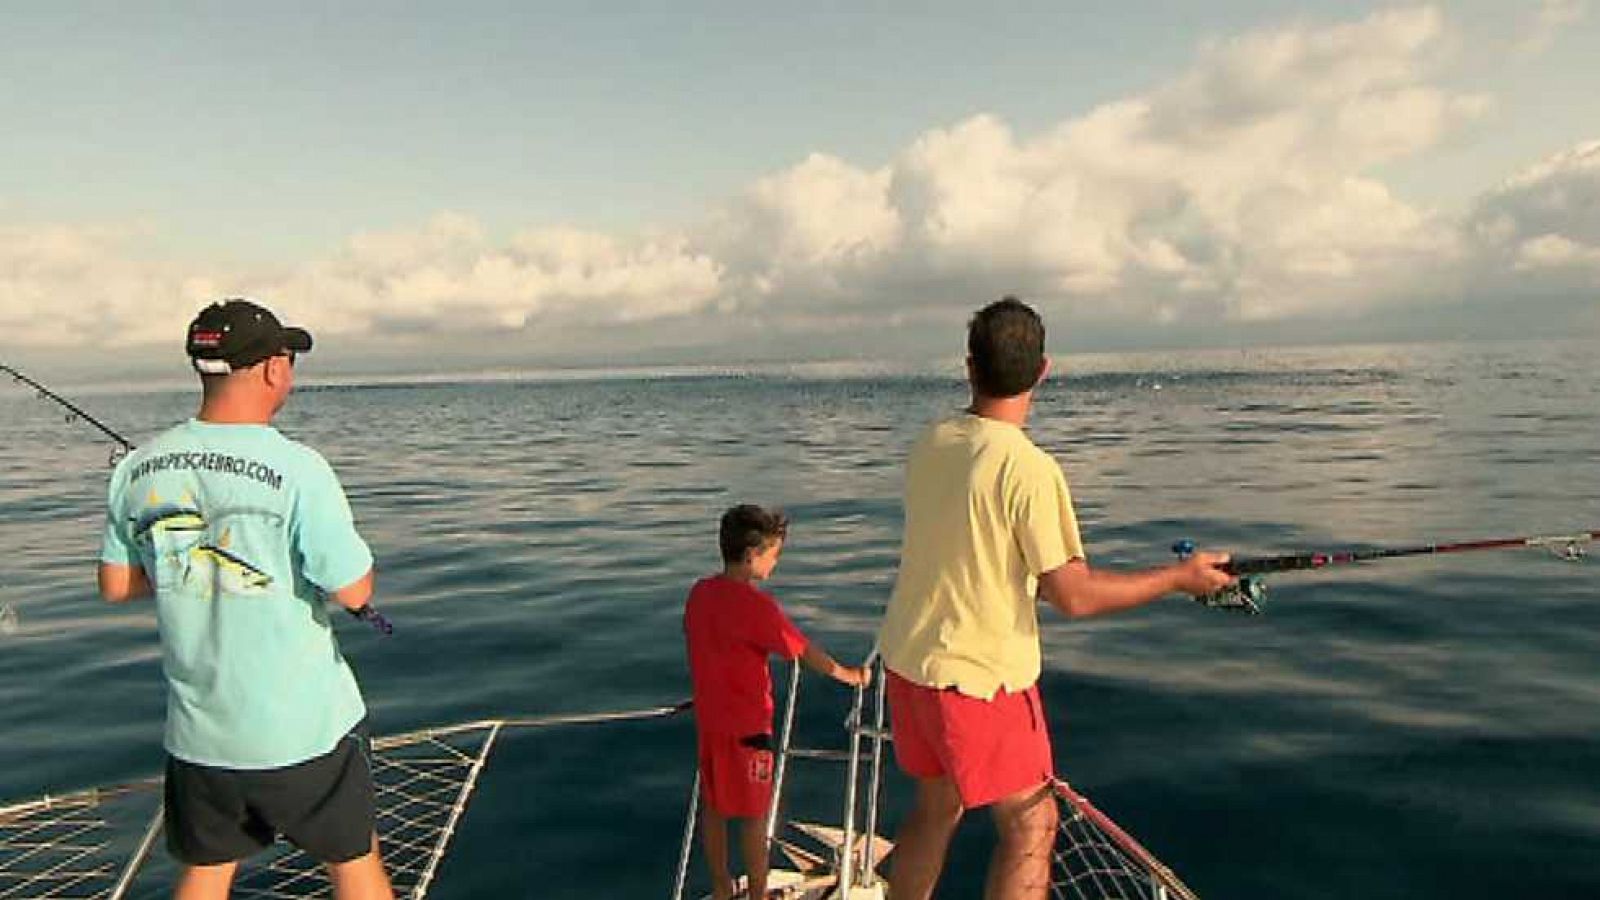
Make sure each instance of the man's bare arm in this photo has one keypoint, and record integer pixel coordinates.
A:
(1079, 590)
(354, 595)
(120, 583)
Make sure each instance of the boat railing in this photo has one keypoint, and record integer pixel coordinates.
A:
(853, 864)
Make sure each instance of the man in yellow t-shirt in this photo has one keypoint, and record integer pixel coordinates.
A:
(989, 526)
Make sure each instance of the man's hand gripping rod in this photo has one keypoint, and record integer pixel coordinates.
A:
(372, 617)
(1244, 595)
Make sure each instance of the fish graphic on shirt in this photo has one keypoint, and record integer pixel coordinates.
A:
(179, 532)
(225, 562)
(249, 576)
(169, 518)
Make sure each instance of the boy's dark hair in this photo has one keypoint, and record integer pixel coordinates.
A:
(1005, 341)
(749, 527)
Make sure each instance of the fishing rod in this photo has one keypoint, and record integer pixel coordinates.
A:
(1250, 591)
(8, 614)
(74, 413)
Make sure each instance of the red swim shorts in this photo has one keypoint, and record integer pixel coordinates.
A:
(990, 749)
(736, 774)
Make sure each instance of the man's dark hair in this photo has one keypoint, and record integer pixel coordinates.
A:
(748, 527)
(1005, 341)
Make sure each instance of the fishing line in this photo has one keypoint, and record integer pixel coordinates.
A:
(10, 621)
(1250, 590)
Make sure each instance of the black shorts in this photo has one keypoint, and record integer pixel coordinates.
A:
(324, 806)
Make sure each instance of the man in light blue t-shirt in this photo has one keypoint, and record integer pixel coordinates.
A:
(242, 535)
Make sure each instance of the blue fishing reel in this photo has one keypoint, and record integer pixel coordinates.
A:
(1245, 595)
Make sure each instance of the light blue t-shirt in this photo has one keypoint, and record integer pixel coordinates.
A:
(240, 531)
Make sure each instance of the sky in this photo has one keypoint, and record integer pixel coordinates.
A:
(601, 184)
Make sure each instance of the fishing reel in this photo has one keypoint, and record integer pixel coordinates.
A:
(1245, 595)
(1567, 549)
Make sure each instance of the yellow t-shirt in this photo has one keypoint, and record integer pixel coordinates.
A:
(987, 512)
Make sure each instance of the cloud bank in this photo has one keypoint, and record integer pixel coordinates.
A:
(1242, 191)
(1546, 25)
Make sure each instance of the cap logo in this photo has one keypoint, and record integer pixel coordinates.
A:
(206, 338)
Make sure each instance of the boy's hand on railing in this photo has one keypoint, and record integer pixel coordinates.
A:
(817, 660)
(855, 676)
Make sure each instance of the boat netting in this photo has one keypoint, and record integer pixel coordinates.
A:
(1096, 860)
(75, 845)
(103, 843)
(82, 845)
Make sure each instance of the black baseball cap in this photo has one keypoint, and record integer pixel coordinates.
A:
(238, 333)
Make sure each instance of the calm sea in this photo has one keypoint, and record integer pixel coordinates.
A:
(1417, 728)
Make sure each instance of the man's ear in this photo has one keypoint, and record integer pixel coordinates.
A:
(272, 372)
(1044, 369)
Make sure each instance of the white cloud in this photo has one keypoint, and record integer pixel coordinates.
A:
(811, 227)
(1242, 190)
(1546, 24)
(1544, 221)
(451, 275)
(64, 286)
(1554, 251)
(1240, 186)
(821, 212)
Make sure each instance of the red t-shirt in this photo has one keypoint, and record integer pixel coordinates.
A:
(732, 627)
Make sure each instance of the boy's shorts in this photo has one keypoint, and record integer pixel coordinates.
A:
(324, 806)
(736, 774)
(990, 749)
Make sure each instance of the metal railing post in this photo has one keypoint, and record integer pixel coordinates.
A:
(783, 751)
(142, 853)
(875, 784)
(847, 856)
(688, 836)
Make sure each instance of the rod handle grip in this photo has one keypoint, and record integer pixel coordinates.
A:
(1244, 596)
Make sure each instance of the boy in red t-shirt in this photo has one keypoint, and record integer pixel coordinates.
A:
(732, 627)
